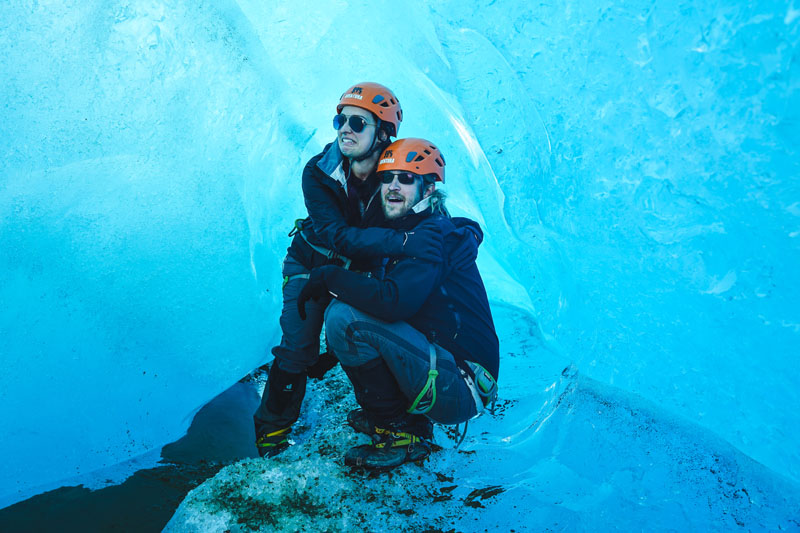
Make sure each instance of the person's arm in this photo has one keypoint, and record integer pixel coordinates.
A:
(331, 227)
(398, 296)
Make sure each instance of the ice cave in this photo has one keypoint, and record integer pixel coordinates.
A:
(634, 168)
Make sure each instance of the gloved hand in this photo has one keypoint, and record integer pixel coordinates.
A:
(314, 288)
(466, 251)
(325, 362)
(424, 243)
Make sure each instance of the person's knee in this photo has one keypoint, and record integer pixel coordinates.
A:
(337, 319)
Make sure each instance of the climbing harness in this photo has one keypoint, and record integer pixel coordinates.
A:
(480, 382)
(484, 392)
(427, 396)
(482, 385)
(287, 279)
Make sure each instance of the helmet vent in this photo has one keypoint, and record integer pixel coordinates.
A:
(410, 156)
(438, 162)
(419, 158)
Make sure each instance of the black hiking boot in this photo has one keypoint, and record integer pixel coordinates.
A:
(279, 409)
(272, 444)
(417, 424)
(396, 435)
(390, 448)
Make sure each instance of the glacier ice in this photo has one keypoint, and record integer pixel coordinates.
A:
(634, 168)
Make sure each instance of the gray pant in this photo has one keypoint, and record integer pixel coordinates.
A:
(356, 338)
(299, 347)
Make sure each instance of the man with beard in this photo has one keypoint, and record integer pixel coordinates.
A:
(418, 343)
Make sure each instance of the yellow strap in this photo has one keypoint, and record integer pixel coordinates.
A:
(401, 438)
(283, 431)
(261, 443)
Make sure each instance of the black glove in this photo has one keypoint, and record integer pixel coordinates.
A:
(325, 362)
(424, 243)
(466, 252)
(314, 288)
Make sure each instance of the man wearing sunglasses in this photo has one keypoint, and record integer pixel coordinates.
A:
(339, 188)
(418, 343)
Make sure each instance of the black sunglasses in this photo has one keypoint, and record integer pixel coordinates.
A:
(357, 123)
(405, 178)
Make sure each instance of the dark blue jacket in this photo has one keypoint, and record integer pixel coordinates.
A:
(334, 218)
(446, 301)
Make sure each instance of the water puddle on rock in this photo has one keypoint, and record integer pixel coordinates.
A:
(220, 434)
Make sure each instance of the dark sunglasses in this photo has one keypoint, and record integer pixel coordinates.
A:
(357, 123)
(405, 178)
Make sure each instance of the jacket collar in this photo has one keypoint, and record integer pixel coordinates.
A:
(422, 205)
(331, 164)
(407, 221)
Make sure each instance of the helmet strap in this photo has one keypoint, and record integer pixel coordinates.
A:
(374, 147)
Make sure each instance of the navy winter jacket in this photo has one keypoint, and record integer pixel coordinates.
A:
(333, 220)
(446, 301)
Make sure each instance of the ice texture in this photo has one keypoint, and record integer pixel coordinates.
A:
(634, 167)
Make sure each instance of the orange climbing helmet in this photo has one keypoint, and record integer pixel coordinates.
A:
(376, 99)
(413, 155)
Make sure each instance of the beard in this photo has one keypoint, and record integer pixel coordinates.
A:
(396, 209)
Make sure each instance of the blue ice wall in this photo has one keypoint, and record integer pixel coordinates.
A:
(635, 169)
(673, 194)
(130, 133)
